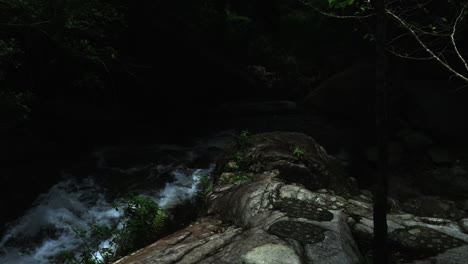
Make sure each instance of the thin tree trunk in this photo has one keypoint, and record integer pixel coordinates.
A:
(220, 34)
(380, 195)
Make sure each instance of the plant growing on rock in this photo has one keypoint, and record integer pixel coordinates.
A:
(205, 185)
(298, 152)
(142, 222)
(243, 142)
(240, 178)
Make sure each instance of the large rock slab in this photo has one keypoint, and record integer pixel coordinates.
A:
(262, 211)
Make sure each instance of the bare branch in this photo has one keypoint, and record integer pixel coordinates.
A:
(415, 7)
(25, 25)
(429, 33)
(404, 56)
(416, 37)
(332, 14)
(460, 88)
(397, 38)
(452, 36)
(412, 57)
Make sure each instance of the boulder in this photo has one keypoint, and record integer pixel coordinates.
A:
(297, 157)
(448, 181)
(254, 224)
(279, 198)
(438, 108)
(348, 93)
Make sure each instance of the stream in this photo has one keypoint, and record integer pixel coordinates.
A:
(167, 174)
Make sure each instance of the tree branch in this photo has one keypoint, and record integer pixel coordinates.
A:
(452, 36)
(396, 38)
(332, 14)
(416, 37)
(408, 56)
(25, 25)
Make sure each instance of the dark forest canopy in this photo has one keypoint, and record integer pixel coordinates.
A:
(114, 59)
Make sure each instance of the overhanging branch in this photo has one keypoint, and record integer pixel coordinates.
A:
(409, 27)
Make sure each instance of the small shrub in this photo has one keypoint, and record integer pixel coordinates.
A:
(206, 186)
(143, 222)
(240, 178)
(243, 140)
(298, 152)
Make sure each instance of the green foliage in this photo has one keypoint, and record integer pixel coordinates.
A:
(141, 224)
(358, 5)
(143, 221)
(237, 26)
(239, 177)
(298, 152)
(243, 141)
(241, 159)
(27, 11)
(10, 53)
(206, 186)
(340, 3)
(232, 17)
(65, 257)
(91, 252)
(61, 31)
(15, 104)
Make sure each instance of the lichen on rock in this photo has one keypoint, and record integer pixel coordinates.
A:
(424, 241)
(303, 232)
(302, 209)
(272, 253)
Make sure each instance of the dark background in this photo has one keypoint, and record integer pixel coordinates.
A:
(175, 68)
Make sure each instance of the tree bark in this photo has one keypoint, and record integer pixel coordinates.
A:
(380, 196)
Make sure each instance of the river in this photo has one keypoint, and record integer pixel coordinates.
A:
(168, 174)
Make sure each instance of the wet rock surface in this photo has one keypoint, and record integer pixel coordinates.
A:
(424, 241)
(264, 211)
(300, 209)
(303, 232)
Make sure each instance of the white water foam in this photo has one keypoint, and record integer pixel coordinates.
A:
(184, 188)
(48, 227)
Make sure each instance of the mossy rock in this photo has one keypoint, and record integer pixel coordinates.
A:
(297, 157)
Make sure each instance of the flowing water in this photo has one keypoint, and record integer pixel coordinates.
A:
(49, 226)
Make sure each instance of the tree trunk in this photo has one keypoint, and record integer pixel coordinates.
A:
(380, 195)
